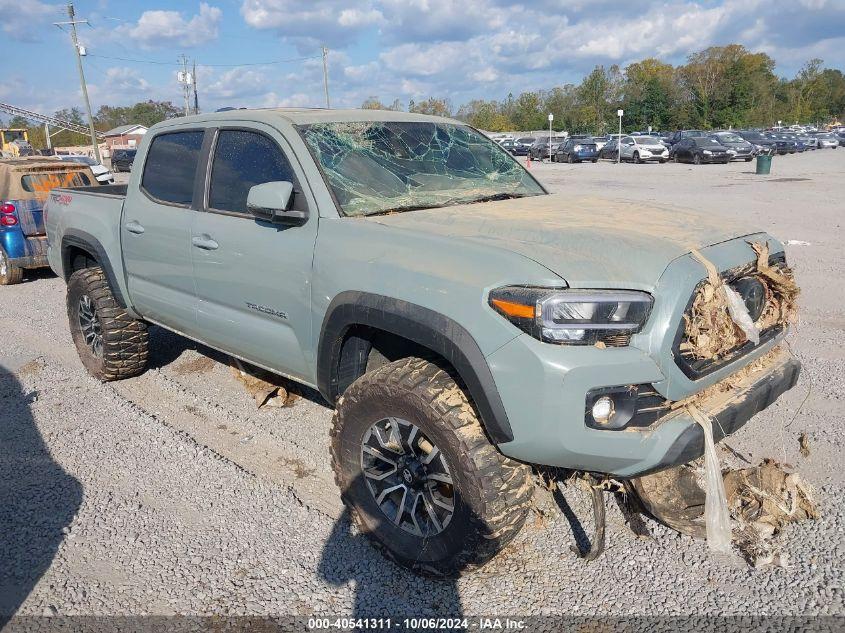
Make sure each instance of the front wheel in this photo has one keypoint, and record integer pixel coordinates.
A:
(696, 159)
(637, 158)
(418, 474)
(748, 159)
(569, 159)
(110, 343)
(595, 160)
(9, 273)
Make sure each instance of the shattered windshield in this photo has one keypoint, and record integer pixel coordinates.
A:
(377, 167)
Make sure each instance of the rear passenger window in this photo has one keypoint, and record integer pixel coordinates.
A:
(243, 159)
(171, 167)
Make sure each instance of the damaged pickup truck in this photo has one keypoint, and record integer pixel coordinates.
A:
(464, 323)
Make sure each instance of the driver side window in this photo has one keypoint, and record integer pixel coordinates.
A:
(243, 159)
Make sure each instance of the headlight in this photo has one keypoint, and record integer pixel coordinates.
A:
(707, 151)
(573, 317)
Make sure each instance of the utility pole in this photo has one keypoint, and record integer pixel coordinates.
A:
(76, 49)
(196, 98)
(184, 78)
(326, 75)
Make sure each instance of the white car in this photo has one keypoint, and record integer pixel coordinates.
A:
(101, 172)
(827, 139)
(643, 148)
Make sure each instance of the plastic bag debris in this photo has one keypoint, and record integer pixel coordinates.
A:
(716, 518)
(740, 316)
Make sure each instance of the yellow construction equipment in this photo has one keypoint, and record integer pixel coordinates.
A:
(14, 142)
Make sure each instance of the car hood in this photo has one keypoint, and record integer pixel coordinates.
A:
(589, 242)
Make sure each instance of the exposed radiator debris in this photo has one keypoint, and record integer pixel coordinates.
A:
(715, 325)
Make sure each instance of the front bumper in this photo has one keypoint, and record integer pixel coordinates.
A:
(548, 422)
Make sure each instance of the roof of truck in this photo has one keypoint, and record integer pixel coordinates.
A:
(305, 116)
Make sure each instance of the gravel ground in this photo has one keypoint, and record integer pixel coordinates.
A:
(170, 493)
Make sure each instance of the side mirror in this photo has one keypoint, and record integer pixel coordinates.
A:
(270, 201)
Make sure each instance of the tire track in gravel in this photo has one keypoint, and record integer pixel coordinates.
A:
(236, 440)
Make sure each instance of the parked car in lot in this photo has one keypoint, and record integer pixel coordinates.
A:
(827, 140)
(610, 149)
(576, 151)
(101, 172)
(522, 146)
(738, 147)
(122, 159)
(762, 143)
(24, 186)
(290, 239)
(541, 149)
(641, 149)
(600, 141)
(783, 144)
(700, 149)
(678, 135)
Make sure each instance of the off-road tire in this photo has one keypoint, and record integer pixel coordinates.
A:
(492, 492)
(9, 274)
(124, 339)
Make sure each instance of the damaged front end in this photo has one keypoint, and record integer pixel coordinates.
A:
(733, 312)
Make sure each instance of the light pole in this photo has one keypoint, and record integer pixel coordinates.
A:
(619, 113)
(551, 118)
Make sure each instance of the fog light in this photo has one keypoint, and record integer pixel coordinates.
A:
(603, 409)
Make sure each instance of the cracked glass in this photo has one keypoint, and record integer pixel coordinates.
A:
(376, 167)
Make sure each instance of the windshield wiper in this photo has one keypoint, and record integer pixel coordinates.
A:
(493, 197)
(410, 207)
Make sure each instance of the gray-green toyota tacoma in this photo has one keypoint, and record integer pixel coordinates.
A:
(464, 323)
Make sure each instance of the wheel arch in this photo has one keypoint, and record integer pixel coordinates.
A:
(80, 249)
(346, 342)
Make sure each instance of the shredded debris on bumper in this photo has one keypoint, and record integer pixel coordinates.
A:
(713, 327)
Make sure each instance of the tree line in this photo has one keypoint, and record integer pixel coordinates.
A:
(718, 87)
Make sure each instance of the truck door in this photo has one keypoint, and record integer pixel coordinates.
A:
(253, 278)
(156, 231)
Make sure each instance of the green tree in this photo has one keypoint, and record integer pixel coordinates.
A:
(435, 107)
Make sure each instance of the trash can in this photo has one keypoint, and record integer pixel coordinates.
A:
(764, 164)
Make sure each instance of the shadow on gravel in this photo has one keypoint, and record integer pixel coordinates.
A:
(167, 347)
(382, 588)
(37, 497)
(582, 541)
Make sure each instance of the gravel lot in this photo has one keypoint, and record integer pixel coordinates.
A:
(170, 493)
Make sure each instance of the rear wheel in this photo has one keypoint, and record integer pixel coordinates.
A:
(569, 159)
(9, 274)
(748, 159)
(418, 474)
(110, 343)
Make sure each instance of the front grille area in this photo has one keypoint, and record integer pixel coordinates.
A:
(697, 368)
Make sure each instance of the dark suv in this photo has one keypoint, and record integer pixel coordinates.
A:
(122, 159)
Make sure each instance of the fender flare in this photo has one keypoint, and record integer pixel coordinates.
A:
(90, 244)
(420, 325)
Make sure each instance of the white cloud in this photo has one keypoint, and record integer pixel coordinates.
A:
(160, 29)
(19, 17)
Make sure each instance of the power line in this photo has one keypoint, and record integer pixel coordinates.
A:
(178, 64)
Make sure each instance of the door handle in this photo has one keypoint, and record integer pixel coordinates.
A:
(134, 227)
(204, 242)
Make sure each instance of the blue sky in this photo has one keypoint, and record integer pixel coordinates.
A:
(405, 49)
